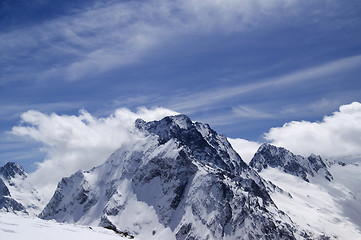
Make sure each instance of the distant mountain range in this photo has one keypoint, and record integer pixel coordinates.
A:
(182, 180)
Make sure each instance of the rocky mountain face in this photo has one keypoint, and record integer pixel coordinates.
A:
(11, 170)
(321, 197)
(16, 192)
(7, 202)
(176, 180)
(277, 157)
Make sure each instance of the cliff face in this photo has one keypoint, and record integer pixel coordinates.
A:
(277, 157)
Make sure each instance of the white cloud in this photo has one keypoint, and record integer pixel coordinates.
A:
(336, 136)
(234, 15)
(246, 149)
(79, 142)
(119, 34)
(84, 141)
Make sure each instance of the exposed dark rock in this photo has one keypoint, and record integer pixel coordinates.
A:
(278, 157)
(11, 169)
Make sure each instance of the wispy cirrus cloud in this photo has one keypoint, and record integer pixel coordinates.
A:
(248, 112)
(312, 108)
(105, 37)
(212, 98)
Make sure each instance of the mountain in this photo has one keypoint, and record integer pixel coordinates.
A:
(320, 197)
(277, 157)
(7, 202)
(17, 194)
(12, 170)
(175, 180)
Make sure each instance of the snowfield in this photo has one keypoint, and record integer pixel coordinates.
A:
(314, 206)
(16, 227)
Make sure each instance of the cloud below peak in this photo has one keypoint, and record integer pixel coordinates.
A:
(84, 141)
(79, 142)
(336, 136)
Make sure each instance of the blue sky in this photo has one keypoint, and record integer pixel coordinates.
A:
(241, 66)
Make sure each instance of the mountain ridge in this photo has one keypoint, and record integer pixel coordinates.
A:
(178, 179)
(191, 180)
(271, 156)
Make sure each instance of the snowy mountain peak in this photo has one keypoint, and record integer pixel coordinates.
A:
(273, 150)
(277, 157)
(11, 170)
(168, 127)
(17, 194)
(181, 181)
(265, 146)
(181, 120)
(207, 146)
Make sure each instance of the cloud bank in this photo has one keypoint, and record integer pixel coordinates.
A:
(79, 142)
(336, 136)
(84, 141)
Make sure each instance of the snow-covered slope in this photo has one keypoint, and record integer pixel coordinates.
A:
(18, 194)
(277, 157)
(180, 180)
(14, 227)
(312, 206)
(304, 191)
(346, 190)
